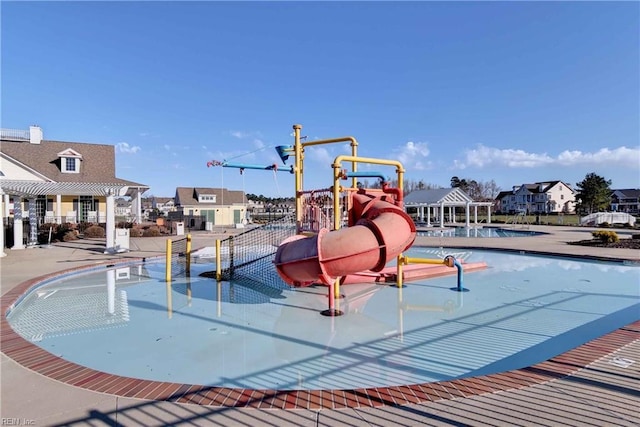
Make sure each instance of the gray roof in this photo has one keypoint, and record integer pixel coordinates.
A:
(628, 193)
(98, 164)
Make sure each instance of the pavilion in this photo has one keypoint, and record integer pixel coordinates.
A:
(436, 200)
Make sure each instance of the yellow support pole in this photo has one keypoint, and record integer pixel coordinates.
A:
(167, 275)
(188, 254)
(218, 261)
(297, 149)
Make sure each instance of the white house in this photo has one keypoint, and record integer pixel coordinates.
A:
(539, 197)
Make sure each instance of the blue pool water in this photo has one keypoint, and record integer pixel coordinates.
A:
(521, 310)
(476, 232)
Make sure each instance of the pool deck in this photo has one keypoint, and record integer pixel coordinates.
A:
(595, 384)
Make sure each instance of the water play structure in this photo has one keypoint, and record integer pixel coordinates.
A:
(344, 233)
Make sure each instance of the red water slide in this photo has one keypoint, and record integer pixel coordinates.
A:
(381, 232)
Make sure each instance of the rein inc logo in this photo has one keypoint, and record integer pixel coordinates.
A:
(4, 421)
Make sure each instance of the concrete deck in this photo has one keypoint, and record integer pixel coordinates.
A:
(582, 387)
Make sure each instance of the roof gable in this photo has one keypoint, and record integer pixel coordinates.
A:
(448, 196)
(70, 152)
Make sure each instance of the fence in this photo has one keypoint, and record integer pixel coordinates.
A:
(178, 257)
(249, 255)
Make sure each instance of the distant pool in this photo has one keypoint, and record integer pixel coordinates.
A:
(477, 232)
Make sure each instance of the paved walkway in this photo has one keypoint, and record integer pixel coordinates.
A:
(602, 393)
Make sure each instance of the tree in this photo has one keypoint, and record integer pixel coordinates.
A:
(593, 194)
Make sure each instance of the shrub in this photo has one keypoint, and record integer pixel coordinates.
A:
(135, 232)
(70, 235)
(604, 225)
(605, 236)
(94, 231)
(151, 232)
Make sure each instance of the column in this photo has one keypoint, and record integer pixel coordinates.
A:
(17, 224)
(138, 205)
(489, 214)
(452, 216)
(467, 215)
(5, 207)
(428, 215)
(111, 223)
(475, 214)
(58, 212)
(442, 215)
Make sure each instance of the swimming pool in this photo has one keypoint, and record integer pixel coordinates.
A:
(522, 310)
(477, 232)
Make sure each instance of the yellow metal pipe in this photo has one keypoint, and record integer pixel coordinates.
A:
(354, 151)
(336, 199)
(338, 160)
(297, 149)
(167, 275)
(188, 255)
(408, 260)
(218, 261)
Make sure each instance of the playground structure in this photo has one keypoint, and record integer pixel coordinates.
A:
(343, 234)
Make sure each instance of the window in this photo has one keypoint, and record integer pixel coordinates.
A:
(69, 161)
(70, 165)
(211, 198)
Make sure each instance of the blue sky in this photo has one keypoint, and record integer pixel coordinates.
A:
(515, 92)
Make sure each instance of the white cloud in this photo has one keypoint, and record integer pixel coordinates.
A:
(319, 155)
(483, 156)
(123, 147)
(240, 134)
(621, 156)
(413, 155)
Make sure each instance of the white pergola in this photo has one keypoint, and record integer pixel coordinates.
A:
(435, 201)
(29, 190)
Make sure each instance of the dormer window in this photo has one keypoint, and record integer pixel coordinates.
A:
(206, 198)
(69, 161)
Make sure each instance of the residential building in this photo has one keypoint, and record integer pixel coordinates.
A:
(164, 205)
(59, 182)
(626, 200)
(123, 208)
(203, 207)
(540, 197)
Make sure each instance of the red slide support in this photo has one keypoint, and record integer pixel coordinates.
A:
(381, 232)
